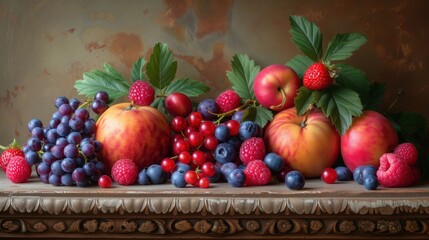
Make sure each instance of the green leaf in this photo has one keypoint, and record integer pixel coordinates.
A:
(242, 76)
(161, 68)
(112, 72)
(303, 100)
(300, 64)
(249, 114)
(263, 116)
(137, 72)
(343, 46)
(110, 81)
(410, 126)
(189, 87)
(375, 96)
(340, 105)
(354, 79)
(159, 103)
(307, 37)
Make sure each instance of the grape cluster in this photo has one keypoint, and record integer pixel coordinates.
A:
(64, 151)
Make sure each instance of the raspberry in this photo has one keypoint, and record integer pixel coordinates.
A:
(394, 172)
(252, 149)
(7, 155)
(408, 152)
(141, 93)
(125, 172)
(257, 173)
(228, 100)
(317, 77)
(18, 170)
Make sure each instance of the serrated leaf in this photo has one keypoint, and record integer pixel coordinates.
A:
(263, 116)
(307, 37)
(303, 100)
(112, 72)
(300, 64)
(375, 96)
(354, 79)
(340, 105)
(189, 87)
(137, 72)
(159, 103)
(161, 68)
(249, 114)
(342, 46)
(242, 76)
(114, 84)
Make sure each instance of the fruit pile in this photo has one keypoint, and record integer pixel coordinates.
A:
(284, 123)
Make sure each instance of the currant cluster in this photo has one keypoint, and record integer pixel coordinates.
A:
(64, 151)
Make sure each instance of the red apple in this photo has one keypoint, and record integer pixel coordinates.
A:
(178, 104)
(368, 138)
(276, 87)
(307, 145)
(140, 133)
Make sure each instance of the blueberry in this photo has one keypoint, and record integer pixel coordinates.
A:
(248, 129)
(143, 178)
(357, 175)
(178, 179)
(343, 174)
(274, 162)
(225, 152)
(370, 182)
(221, 133)
(368, 170)
(227, 168)
(236, 178)
(238, 116)
(183, 167)
(236, 142)
(206, 107)
(294, 180)
(155, 173)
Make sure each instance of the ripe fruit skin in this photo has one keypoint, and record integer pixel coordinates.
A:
(395, 172)
(141, 93)
(370, 136)
(269, 84)
(252, 149)
(104, 181)
(236, 177)
(257, 173)
(178, 104)
(329, 175)
(139, 133)
(18, 170)
(317, 77)
(7, 155)
(294, 180)
(228, 100)
(343, 174)
(125, 172)
(308, 148)
(408, 152)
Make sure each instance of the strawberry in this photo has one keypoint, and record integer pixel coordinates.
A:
(9, 152)
(125, 171)
(257, 173)
(228, 100)
(317, 77)
(141, 93)
(18, 170)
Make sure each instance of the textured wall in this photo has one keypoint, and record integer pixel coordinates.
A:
(46, 45)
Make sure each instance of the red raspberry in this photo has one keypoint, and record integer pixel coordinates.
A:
(7, 155)
(18, 170)
(228, 100)
(408, 152)
(394, 172)
(125, 172)
(252, 149)
(141, 93)
(257, 173)
(317, 77)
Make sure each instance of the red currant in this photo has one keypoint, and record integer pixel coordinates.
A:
(104, 181)
(168, 164)
(194, 119)
(233, 127)
(329, 175)
(210, 143)
(188, 130)
(181, 145)
(208, 169)
(185, 157)
(178, 124)
(198, 158)
(204, 182)
(191, 177)
(207, 128)
(195, 139)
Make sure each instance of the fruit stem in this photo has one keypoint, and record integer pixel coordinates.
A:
(223, 115)
(86, 103)
(304, 123)
(14, 144)
(398, 95)
(283, 100)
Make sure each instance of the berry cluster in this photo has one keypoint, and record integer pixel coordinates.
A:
(64, 151)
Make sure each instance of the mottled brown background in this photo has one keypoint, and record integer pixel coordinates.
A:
(46, 45)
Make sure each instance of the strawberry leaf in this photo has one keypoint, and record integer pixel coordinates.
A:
(303, 99)
(137, 72)
(354, 79)
(161, 68)
(159, 103)
(188, 87)
(343, 46)
(300, 64)
(263, 116)
(242, 76)
(109, 81)
(375, 96)
(340, 105)
(307, 37)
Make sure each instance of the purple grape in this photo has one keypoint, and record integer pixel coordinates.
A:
(84, 183)
(78, 175)
(56, 168)
(37, 132)
(82, 114)
(67, 180)
(65, 110)
(56, 115)
(98, 146)
(102, 95)
(34, 123)
(86, 141)
(206, 107)
(76, 124)
(95, 175)
(34, 144)
(53, 123)
(55, 179)
(43, 168)
(100, 166)
(71, 151)
(44, 178)
(74, 103)
(60, 101)
(68, 165)
(89, 126)
(58, 151)
(98, 106)
(63, 129)
(52, 135)
(48, 158)
(65, 119)
(74, 138)
(62, 141)
(88, 149)
(32, 157)
(238, 116)
(89, 168)
(80, 161)
(47, 147)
